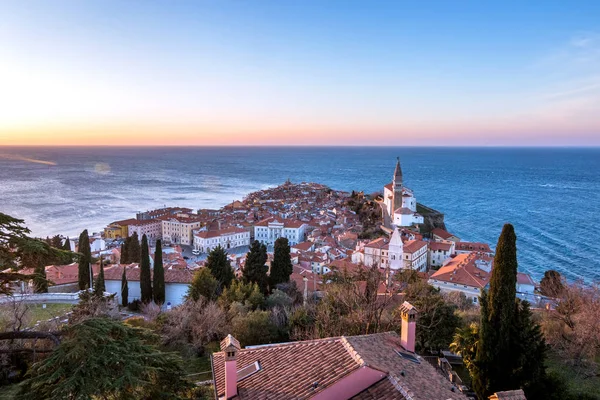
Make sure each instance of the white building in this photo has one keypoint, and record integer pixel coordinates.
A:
(415, 255)
(179, 229)
(439, 252)
(395, 253)
(177, 282)
(152, 228)
(400, 202)
(465, 273)
(269, 230)
(228, 238)
(376, 253)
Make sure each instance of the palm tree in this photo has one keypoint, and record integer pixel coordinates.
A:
(465, 343)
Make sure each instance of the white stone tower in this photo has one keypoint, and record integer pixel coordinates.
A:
(396, 251)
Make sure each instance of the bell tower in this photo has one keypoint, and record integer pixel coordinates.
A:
(397, 185)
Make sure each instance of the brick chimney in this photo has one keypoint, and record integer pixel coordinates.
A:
(230, 346)
(409, 325)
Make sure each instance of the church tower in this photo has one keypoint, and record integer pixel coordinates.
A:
(397, 185)
(395, 251)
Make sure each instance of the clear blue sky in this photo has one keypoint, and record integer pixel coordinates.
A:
(300, 72)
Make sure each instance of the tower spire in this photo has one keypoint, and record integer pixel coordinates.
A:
(398, 171)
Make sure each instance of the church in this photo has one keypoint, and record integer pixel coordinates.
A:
(400, 202)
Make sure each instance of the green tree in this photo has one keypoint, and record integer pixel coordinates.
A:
(219, 266)
(101, 358)
(510, 350)
(99, 286)
(254, 328)
(145, 276)
(19, 251)
(124, 253)
(124, 288)
(437, 321)
(134, 251)
(85, 260)
(281, 267)
(158, 284)
(248, 294)
(203, 285)
(67, 245)
(255, 269)
(551, 284)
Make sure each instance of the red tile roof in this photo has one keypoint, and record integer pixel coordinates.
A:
(174, 275)
(439, 246)
(441, 233)
(473, 246)
(412, 246)
(290, 370)
(221, 232)
(462, 270)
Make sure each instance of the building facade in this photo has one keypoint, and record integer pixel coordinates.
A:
(179, 229)
(269, 230)
(228, 238)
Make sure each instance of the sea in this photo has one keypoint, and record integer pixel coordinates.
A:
(550, 195)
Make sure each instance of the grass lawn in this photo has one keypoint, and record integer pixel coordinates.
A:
(576, 383)
(38, 313)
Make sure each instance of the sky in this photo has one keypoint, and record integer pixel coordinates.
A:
(260, 72)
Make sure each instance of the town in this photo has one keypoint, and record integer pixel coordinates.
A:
(326, 229)
(382, 257)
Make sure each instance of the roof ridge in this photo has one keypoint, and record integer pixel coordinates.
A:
(286, 344)
(353, 353)
(407, 393)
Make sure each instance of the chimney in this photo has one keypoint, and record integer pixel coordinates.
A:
(230, 346)
(409, 324)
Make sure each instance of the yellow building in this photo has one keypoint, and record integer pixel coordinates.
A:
(118, 229)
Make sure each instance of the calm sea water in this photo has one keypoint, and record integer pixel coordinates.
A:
(552, 196)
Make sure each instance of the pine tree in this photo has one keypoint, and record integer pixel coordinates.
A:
(40, 282)
(124, 288)
(255, 269)
(99, 286)
(145, 277)
(281, 267)
(219, 266)
(158, 284)
(85, 259)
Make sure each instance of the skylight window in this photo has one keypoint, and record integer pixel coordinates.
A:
(248, 370)
(408, 356)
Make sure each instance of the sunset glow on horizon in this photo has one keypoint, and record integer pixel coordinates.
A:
(299, 73)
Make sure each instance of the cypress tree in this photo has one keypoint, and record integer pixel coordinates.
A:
(67, 244)
(255, 269)
(281, 267)
(124, 253)
(134, 251)
(85, 260)
(219, 266)
(145, 277)
(158, 284)
(99, 286)
(495, 357)
(124, 288)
